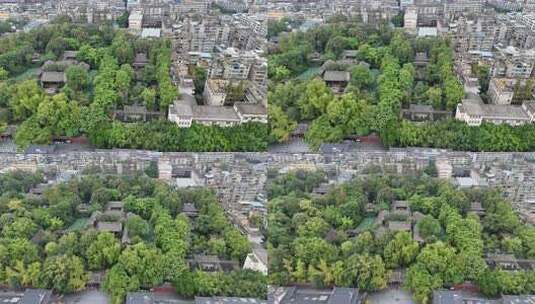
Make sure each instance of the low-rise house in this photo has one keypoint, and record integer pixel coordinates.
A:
(399, 226)
(52, 76)
(351, 55)
(113, 227)
(69, 55)
(107, 221)
(212, 263)
(401, 207)
(421, 60)
(52, 81)
(321, 189)
(140, 61)
(477, 208)
(474, 112)
(135, 113)
(419, 112)
(115, 208)
(336, 80)
(509, 262)
(189, 210)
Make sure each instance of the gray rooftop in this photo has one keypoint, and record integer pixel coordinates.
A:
(336, 76)
(337, 295)
(215, 113)
(462, 297)
(110, 226)
(250, 108)
(420, 108)
(228, 300)
(135, 109)
(399, 226)
(69, 54)
(141, 58)
(55, 77)
(494, 111)
(189, 208)
(114, 205)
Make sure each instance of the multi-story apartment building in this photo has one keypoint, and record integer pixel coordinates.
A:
(234, 64)
(430, 12)
(474, 34)
(411, 19)
(91, 11)
(193, 6)
(215, 92)
(377, 11)
(512, 62)
(454, 8)
(237, 6)
(135, 20)
(529, 6)
(405, 3)
(516, 29)
(202, 35)
(501, 90)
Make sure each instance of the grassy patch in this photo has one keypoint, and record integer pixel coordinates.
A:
(309, 74)
(79, 224)
(366, 224)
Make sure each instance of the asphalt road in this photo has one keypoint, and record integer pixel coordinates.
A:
(391, 296)
(299, 146)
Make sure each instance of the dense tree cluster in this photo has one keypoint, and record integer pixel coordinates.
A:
(331, 240)
(167, 136)
(276, 27)
(85, 105)
(375, 96)
(456, 135)
(382, 83)
(43, 245)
